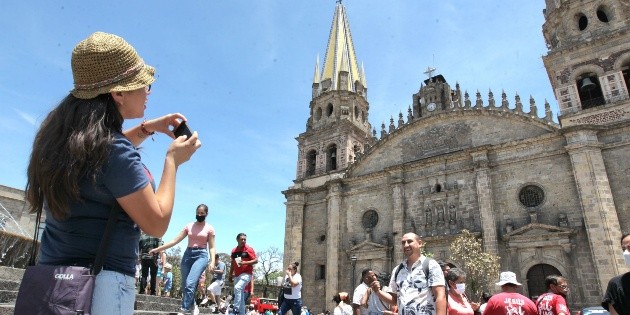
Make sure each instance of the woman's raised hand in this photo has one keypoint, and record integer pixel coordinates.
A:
(165, 124)
(182, 149)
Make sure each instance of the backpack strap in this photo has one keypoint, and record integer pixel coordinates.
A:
(398, 271)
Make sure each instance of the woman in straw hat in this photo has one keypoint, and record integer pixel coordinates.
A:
(83, 163)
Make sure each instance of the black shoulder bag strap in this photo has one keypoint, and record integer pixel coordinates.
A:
(100, 254)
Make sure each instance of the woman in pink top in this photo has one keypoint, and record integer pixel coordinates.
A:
(195, 259)
(458, 303)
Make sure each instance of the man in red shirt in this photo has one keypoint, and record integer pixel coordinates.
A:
(241, 270)
(509, 302)
(553, 301)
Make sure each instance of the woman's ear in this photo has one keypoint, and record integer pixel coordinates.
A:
(117, 96)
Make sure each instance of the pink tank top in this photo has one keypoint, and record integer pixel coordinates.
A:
(198, 234)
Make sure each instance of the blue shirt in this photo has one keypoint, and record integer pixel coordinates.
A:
(220, 265)
(75, 240)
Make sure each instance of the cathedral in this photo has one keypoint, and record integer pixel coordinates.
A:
(547, 197)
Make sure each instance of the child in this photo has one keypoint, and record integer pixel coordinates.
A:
(167, 280)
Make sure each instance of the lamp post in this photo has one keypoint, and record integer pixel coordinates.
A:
(353, 259)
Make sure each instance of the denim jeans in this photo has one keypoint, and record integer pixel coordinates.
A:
(294, 304)
(114, 294)
(194, 262)
(240, 282)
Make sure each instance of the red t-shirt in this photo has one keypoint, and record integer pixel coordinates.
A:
(552, 304)
(247, 254)
(510, 304)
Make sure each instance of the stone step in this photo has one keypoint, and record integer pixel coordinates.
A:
(13, 274)
(9, 285)
(8, 296)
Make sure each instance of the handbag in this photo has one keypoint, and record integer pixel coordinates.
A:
(280, 297)
(61, 290)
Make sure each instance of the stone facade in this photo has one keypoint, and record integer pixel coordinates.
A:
(546, 197)
(14, 216)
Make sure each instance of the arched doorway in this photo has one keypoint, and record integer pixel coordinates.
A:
(536, 278)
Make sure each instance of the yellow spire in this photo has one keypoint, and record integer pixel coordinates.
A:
(340, 52)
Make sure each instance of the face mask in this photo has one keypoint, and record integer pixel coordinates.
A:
(626, 257)
(201, 218)
(460, 288)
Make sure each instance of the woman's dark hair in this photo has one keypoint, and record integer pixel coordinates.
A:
(71, 145)
(295, 265)
(336, 298)
(204, 207)
(454, 274)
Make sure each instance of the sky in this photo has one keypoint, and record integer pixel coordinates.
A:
(241, 72)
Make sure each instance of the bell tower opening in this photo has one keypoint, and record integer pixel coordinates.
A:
(311, 158)
(331, 157)
(590, 91)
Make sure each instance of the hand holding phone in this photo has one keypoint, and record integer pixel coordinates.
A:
(182, 130)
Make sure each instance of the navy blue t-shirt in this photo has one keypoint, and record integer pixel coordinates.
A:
(76, 239)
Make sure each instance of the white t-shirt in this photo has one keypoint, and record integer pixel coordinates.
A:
(343, 309)
(296, 291)
(357, 296)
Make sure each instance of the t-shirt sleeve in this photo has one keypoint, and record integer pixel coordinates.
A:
(251, 253)
(358, 295)
(393, 286)
(609, 296)
(123, 172)
(436, 275)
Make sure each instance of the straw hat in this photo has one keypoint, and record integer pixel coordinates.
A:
(507, 277)
(104, 63)
(168, 266)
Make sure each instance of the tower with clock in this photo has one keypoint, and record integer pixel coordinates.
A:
(433, 97)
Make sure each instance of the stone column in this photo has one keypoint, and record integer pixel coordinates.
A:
(333, 210)
(398, 209)
(293, 226)
(484, 199)
(598, 207)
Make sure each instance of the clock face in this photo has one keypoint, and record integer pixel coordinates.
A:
(431, 107)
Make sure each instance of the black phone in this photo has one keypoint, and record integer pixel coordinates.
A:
(182, 130)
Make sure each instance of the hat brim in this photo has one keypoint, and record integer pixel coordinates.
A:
(500, 283)
(144, 77)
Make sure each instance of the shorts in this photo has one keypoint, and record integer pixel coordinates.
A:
(215, 287)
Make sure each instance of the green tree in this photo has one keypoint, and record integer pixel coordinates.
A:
(482, 269)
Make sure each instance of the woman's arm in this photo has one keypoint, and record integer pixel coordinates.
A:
(213, 253)
(152, 210)
(170, 244)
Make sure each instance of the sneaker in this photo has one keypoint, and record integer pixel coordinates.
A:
(204, 301)
(195, 310)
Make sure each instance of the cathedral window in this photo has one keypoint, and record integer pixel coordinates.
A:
(582, 21)
(602, 14)
(329, 110)
(331, 157)
(311, 158)
(370, 219)
(356, 112)
(590, 91)
(531, 196)
(625, 70)
(320, 272)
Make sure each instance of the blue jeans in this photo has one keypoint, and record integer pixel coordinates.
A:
(239, 287)
(194, 262)
(114, 294)
(294, 304)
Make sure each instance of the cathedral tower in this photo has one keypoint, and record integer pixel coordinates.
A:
(337, 129)
(588, 65)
